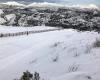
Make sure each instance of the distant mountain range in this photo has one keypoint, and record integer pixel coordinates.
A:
(45, 4)
(97, 2)
(29, 1)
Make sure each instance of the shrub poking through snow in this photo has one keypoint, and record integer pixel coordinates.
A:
(89, 77)
(88, 48)
(1, 35)
(56, 44)
(76, 54)
(96, 43)
(29, 76)
(73, 68)
(55, 59)
(36, 76)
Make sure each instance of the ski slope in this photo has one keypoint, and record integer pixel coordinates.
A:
(58, 55)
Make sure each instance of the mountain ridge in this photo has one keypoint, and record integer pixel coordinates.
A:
(46, 4)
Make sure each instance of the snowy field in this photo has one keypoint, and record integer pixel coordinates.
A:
(10, 29)
(58, 55)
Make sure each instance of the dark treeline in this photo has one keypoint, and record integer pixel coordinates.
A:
(81, 19)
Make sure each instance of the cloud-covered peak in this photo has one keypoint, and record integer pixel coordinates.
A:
(13, 3)
(45, 4)
(50, 4)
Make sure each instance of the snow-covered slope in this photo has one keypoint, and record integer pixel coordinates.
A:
(57, 55)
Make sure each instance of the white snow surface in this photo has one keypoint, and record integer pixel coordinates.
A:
(57, 55)
(1, 11)
(10, 16)
(2, 20)
(11, 29)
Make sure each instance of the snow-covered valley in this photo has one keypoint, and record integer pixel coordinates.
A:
(68, 50)
(58, 55)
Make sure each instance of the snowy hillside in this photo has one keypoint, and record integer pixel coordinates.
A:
(58, 55)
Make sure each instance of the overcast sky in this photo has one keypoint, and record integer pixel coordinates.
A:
(63, 1)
